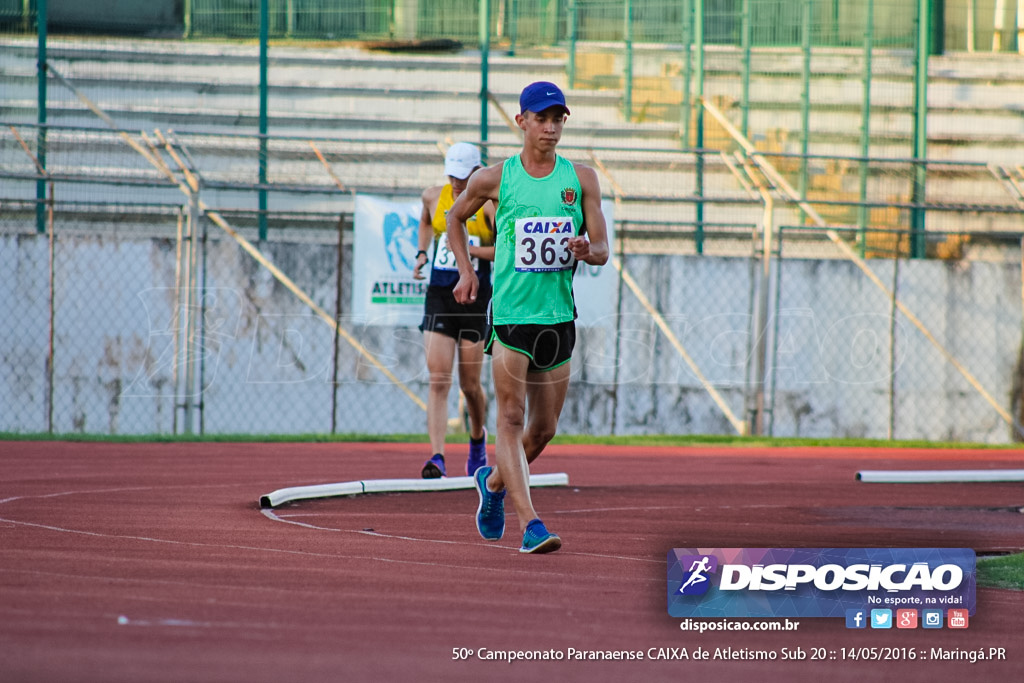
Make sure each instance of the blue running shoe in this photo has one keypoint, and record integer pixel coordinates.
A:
(434, 468)
(477, 455)
(490, 514)
(538, 539)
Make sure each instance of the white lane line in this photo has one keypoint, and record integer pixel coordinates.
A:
(271, 515)
(620, 509)
(281, 551)
(274, 517)
(122, 489)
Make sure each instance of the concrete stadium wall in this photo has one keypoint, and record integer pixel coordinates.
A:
(268, 360)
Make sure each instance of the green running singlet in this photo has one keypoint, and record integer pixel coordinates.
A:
(533, 268)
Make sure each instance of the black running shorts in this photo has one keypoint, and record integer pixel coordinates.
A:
(547, 346)
(442, 314)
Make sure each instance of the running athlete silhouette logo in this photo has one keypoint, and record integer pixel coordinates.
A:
(697, 582)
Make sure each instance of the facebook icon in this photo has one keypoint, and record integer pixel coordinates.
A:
(856, 618)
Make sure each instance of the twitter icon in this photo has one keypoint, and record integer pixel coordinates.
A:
(881, 618)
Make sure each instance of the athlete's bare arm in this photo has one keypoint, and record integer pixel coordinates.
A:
(483, 186)
(594, 248)
(430, 197)
(486, 253)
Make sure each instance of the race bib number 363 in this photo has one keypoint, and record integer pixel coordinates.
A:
(542, 244)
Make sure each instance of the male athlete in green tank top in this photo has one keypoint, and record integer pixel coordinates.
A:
(535, 219)
(545, 205)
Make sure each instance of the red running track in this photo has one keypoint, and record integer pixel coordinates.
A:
(153, 562)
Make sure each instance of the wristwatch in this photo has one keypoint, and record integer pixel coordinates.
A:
(418, 253)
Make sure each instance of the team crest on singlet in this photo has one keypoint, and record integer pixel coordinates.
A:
(569, 196)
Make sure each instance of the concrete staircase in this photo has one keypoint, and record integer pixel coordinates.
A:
(976, 115)
(381, 120)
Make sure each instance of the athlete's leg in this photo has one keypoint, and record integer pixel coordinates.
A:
(511, 471)
(545, 396)
(471, 361)
(440, 351)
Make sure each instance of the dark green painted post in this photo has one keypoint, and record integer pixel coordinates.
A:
(485, 54)
(513, 27)
(572, 44)
(685, 116)
(863, 213)
(627, 92)
(698, 30)
(264, 39)
(41, 68)
(920, 151)
(805, 99)
(745, 38)
(937, 21)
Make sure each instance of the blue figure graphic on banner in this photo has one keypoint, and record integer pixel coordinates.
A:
(400, 240)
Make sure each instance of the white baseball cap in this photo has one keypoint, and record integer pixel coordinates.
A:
(461, 159)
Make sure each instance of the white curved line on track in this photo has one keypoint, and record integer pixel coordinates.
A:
(194, 544)
(621, 509)
(121, 489)
(269, 514)
(272, 516)
(340, 556)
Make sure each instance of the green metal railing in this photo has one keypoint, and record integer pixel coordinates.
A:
(971, 25)
(768, 41)
(767, 23)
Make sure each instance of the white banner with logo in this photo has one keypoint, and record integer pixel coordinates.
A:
(384, 256)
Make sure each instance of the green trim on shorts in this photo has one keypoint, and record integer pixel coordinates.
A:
(553, 367)
(494, 336)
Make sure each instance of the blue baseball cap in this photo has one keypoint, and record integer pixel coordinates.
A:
(541, 95)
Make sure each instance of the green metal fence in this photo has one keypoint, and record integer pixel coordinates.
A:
(822, 117)
(300, 19)
(971, 25)
(136, 313)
